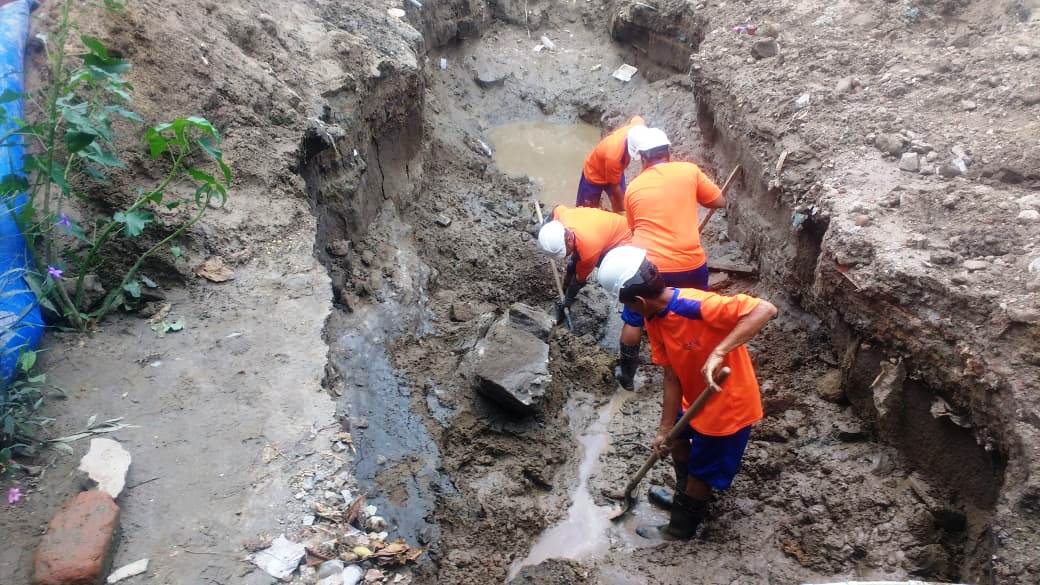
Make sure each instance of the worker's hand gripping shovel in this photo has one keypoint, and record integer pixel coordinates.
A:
(629, 500)
(556, 275)
(725, 187)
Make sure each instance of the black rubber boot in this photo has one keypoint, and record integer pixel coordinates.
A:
(687, 515)
(628, 363)
(661, 496)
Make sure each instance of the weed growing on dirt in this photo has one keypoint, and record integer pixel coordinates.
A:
(74, 148)
(20, 418)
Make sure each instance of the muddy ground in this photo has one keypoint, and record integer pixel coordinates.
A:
(371, 233)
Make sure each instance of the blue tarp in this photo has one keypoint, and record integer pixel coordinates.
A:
(21, 325)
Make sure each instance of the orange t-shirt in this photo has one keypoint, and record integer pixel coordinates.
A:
(596, 232)
(661, 204)
(684, 334)
(606, 163)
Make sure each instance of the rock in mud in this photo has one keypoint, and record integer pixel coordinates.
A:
(910, 162)
(491, 73)
(339, 248)
(890, 144)
(1028, 216)
(510, 366)
(530, 319)
(467, 311)
(829, 386)
(765, 49)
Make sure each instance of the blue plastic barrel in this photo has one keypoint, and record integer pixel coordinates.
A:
(21, 325)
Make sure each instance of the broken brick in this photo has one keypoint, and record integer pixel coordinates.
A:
(78, 543)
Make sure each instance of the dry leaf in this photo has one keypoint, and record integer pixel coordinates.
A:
(354, 509)
(214, 270)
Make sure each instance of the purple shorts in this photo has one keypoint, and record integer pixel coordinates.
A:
(696, 278)
(589, 194)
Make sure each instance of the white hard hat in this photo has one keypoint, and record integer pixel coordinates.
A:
(633, 138)
(618, 266)
(552, 240)
(645, 139)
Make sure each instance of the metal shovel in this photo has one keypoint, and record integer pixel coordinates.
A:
(626, 496)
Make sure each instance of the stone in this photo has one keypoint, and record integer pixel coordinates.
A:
(338, 248)
(1028, 216)
(1031, 201)
(375, 524)
(442, 220)
(548, 43)
(1021, 52)
(969, 105)
(280, 559)
(127, 571)
(106, 463)
(765, 49)
(803, 101)
(921, 147)
(846, 84)
(890, 144)
(330, 568)
(1030, 95)
(927, 170)
(78, 543)
(491, 73)
(862, 220)
(829, 387)
(943, 258)
(975, 265)
(910, 162)
(1034, 266)
(462, 311)
(536, 322)
(352, 575)
(928, 561)
(510, 366)
(953, 168)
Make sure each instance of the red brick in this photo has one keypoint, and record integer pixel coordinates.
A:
(78, 543)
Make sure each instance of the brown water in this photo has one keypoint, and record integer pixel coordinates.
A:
(551, 154)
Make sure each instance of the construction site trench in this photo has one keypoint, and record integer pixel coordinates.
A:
(383, 227)
(837, 482)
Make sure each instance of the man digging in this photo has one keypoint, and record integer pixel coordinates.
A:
(693, 334)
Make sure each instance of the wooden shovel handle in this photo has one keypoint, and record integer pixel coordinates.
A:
(676, 430)
(725, 187)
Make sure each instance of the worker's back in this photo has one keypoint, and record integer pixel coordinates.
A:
(596, 232)
(662, 205)
(606, 163)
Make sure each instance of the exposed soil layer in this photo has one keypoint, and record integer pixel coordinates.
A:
(900, 435)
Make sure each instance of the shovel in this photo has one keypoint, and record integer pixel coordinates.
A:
(556, 275)
(628, 500)
(725, 187)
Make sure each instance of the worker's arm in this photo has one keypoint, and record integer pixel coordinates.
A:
(670, 403)
(746, 328)
(617, 198)
(717, 203)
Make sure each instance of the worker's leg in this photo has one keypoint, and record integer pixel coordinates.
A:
(628, 350)
(589, 194)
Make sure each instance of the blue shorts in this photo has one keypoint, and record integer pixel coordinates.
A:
(589, 194)
(715, 460)
(696, 278)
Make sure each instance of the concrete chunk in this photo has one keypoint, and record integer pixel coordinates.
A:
(511, 367)
(106, 463)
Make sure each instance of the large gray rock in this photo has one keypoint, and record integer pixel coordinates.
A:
(534, 321)
(491, 72)
(510, 366)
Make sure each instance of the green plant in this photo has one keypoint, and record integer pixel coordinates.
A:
(20, 419)
(74, 147)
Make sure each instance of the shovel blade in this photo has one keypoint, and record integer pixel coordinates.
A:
(628, 501)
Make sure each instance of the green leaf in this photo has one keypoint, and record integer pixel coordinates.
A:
(202, 176)
(124, 113)
(108, 66)
(102, 157)
(10, 95)
(214, 152)
(134, 288)
(94, 46)
(176, 251)
(157, 143)
(13, 184)
(134, 221)
(77, 141)
(26, 361)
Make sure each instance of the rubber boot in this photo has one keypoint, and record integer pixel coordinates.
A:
(686, 516)
(661, 496)
(628, 363)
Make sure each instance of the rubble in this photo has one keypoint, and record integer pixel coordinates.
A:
(510, 366)
(106, 463)
(281, 559)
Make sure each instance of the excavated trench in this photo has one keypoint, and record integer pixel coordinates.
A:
(427, 240)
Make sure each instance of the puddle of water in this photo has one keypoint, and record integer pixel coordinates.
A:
(587, 531)
(551, 154)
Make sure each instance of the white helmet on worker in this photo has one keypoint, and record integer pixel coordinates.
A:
(618, 267)
(642, 139)
(552, 239)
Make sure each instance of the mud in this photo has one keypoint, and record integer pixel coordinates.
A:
(356, 149)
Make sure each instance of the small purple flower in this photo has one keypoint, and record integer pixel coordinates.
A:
(64, 222)
(54, 272)
(13, 495)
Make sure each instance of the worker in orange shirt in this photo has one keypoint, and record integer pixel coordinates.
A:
(662, 209)
(605, 166)
(693, 334)
(584, 234)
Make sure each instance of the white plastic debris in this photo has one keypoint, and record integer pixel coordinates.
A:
(280, 559)
(106, 463)
(625, 73)
(444, 63)
(547, 43)
(539, 48)
(127, 571)
(395, 12)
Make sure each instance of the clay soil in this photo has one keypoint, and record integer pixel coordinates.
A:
(373, 239)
